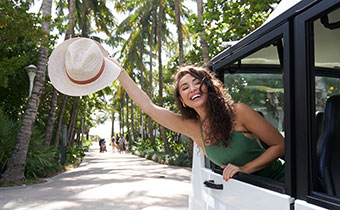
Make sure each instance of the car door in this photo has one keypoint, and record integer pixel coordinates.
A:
(317, 56)
(253, 75)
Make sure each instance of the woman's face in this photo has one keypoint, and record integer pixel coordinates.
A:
(191, 95)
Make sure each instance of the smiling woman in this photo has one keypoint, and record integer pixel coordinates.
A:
(214, 122)
(207, 115)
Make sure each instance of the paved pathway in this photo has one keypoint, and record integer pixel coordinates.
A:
(106, 181)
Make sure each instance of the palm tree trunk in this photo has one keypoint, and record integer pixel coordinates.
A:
(152, 34)
(69, 33)
(133, 123)
(120, 119)
(17, 162)
(60, 120)
(72, 9)
(127, 115)
(112, 124)
(51, 118)
(160, 72)
(204, 43)
(179, 32)
(73, 118)
(181, 51)
(84, 17)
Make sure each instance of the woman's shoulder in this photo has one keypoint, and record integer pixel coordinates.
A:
(243, 113)
(240, 107)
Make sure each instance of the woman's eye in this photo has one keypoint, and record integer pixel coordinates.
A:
(184, 88)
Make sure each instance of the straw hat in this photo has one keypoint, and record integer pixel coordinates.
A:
(80, 66)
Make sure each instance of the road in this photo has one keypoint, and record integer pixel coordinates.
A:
(107, 180)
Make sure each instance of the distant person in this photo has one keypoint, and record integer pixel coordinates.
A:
(121, 143)
(101, 145)
(104, 146)
(127, 142)
(113, 142)
(117, 142)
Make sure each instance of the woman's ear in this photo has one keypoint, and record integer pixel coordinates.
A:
(183, 104)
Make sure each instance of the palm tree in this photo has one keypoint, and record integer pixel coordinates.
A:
(204, 43)
(151, 46)
(160, 70)
(68, 35)
(179, 32)
(17, 163)
(103, 19)
(60, 120)
(140, 22)
(51, 118)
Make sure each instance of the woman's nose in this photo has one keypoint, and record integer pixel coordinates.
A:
(192, 88)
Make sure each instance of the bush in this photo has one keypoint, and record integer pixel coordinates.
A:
(75, 155)
(8, 134)
(40, 162)
(177, 159)
(155, 151)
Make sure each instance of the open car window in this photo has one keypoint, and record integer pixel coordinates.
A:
(257, 81)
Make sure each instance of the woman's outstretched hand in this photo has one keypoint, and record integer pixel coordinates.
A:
(230, 170)
(115, 62)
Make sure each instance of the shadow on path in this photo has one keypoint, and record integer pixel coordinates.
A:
(107, 180)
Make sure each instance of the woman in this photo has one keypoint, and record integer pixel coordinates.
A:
(225, 131)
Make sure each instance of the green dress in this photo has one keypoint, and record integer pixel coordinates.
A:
(241, 150)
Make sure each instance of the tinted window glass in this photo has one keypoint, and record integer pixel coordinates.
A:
(327, 83)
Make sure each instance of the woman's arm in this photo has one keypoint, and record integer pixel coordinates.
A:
(256, 124)
(161, 115)
(249, 119)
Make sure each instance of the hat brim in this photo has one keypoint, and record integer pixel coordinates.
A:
(60, 80)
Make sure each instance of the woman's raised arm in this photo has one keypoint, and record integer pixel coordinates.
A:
(161, 115)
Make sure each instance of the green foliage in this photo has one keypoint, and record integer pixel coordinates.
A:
(75, 155)
(155, 151)
(227, 21)
(41, 161)
(177, 159)
(8, 133)
(19, 38)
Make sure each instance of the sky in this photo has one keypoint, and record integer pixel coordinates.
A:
(102, 130)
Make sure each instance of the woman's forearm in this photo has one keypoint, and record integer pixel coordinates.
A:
(268, 157)
(135, 93)
(161, 115)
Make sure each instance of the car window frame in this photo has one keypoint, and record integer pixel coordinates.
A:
(304, 61)
(221, 66)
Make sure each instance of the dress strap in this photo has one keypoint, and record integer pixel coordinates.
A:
(202, 132)
(245, 132)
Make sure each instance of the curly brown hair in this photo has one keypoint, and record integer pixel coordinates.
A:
(220, 116)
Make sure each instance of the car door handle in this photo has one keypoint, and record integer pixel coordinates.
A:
(211, 184)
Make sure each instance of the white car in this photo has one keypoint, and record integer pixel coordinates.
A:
(289, 70)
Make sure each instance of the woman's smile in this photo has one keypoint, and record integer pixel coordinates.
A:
(193, 94)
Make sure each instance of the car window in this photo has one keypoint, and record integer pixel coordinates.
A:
(256, 80)
(326, 71)
(262, 91)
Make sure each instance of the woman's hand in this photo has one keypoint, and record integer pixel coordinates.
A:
(230, 170)
(115, 62)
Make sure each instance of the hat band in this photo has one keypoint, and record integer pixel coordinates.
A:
(84, 82)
